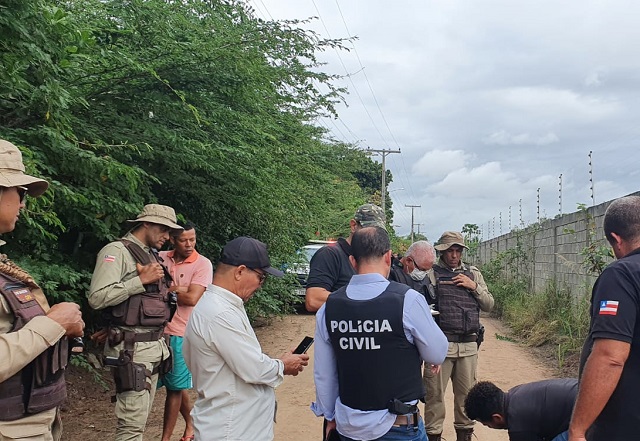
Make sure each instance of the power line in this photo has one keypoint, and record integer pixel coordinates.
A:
(348, 75)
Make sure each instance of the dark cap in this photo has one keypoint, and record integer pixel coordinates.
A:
(249, 252)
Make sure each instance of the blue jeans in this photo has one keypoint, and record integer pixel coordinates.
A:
(564, 436)
(402, 433)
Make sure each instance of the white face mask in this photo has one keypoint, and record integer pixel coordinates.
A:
(417, 274)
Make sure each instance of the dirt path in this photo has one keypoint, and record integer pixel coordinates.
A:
(90, 414)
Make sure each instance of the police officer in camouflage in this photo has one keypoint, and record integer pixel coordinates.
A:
(33, 336)
(460, 295)
(130, 286)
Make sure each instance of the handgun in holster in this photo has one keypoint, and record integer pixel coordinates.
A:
(128, 375)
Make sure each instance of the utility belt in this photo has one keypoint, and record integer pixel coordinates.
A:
(461, 338)
(127, 374)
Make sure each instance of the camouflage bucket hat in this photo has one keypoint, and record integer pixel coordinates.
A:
(448, 239)
(370, 215)
(158, 214)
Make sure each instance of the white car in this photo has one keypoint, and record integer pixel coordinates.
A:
(301, 268)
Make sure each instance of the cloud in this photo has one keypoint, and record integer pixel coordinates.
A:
(436, 164)
(502, 137)
(487, 181)
(553, 104)
(595, 78)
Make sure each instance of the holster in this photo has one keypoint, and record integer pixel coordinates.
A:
(129, 375)
(480, 338)
(397, 407)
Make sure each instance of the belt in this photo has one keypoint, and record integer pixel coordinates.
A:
(147, 336)
(457, 338)
(407, 420)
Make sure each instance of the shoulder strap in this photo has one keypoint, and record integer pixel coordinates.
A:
(21, 300)
(138, 253)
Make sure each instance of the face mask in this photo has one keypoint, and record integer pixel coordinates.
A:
(417, 274)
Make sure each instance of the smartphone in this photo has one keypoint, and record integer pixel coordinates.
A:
(304, 345)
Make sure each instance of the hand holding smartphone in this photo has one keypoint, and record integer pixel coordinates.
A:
(304, 345)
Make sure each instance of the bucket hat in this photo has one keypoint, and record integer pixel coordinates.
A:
(448, 239)
(158, 214)
(12, 171)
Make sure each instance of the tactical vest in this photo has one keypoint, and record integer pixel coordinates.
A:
(459, 310)
(150, 308)
(371, 348)
(40, 385)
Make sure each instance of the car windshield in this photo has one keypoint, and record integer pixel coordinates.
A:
(309, 252)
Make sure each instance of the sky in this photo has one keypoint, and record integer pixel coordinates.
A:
(493, 104)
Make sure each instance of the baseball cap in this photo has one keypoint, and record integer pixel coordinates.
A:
(12, 171)
(249, 252)
(370, 215)
(158, 214)
(448, 239)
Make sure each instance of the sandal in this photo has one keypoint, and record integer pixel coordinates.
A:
(188, 438)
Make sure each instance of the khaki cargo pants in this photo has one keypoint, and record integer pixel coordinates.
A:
(459, 366)
(44, 426)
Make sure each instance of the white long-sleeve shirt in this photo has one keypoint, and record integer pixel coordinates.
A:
(235, 381)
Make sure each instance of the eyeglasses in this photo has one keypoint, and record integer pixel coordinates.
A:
(261, 275)
(416, 264)
(22, 192)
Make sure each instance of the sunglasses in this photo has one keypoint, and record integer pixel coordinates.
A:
(22, 193)
(415, 264)
(261, 275)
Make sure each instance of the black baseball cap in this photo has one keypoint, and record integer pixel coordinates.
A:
(249, 252)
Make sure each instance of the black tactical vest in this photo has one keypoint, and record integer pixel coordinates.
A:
(40, 385)
(376, 362)
(150, 308)
(459, 310)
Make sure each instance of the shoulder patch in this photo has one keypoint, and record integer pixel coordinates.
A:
(608, 307)
(23, 295)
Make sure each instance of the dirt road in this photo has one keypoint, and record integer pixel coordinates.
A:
(90, 414)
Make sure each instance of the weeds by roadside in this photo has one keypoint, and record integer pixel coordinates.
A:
(553, 317)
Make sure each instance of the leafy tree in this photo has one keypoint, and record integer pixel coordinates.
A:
(194, 104)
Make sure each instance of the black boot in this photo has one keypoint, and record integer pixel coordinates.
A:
(437, 437)
(464, 434)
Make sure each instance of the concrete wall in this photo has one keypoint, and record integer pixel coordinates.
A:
(551, 249)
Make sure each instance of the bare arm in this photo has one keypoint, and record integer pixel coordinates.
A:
(314, 298)
(600, 378)
(188, 295)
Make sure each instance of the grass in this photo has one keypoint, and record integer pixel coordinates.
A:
(554, 318)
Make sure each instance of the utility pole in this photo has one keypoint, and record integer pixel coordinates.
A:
(412, 224)
(383, 191)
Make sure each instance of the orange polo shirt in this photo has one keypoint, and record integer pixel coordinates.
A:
(195, 270)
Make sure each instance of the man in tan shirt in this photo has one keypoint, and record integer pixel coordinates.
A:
(461, 293)
(130, 285)
(28, 337)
